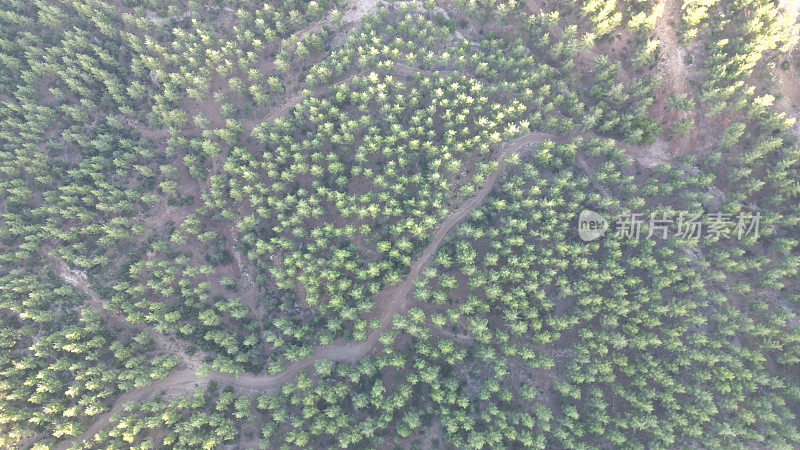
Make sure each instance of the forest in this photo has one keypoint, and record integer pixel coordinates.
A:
(355, 224)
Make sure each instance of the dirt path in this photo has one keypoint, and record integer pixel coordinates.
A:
(162, 343)
(389, 302)
(392, 300)
(163, 212)
(673, 56)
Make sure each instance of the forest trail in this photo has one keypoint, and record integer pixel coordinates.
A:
(673, 56)
(392, 300)
(79, 280)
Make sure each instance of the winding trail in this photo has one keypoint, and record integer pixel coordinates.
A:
(162, 343)
(392, 300)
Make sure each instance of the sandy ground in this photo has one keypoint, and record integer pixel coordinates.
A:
(358, 10)
(672, 64)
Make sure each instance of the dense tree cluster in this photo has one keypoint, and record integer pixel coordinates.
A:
(230, 186)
